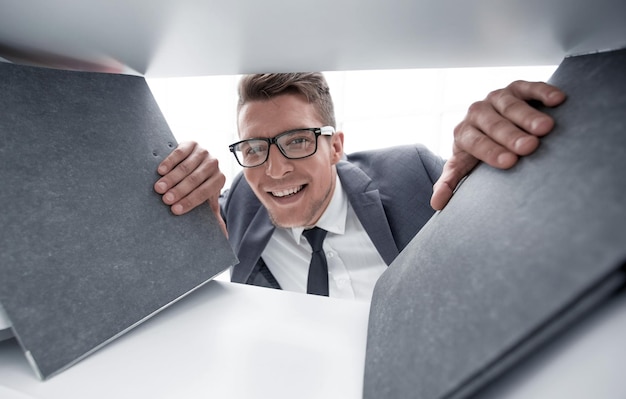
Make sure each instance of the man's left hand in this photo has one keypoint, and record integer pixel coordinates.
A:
(497, 131)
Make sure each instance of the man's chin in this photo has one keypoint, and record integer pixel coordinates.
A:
(287, 222)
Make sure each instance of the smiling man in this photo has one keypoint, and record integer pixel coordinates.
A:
(294, 179)
(290, 152)
(297, 180)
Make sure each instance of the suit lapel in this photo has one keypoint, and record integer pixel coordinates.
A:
(368, 206)
(252, 245)
(366, 202)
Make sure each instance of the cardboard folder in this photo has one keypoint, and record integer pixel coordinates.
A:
(516, 257)
(87, 248)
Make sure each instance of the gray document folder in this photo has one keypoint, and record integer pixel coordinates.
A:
(516, 257)
(87, 248)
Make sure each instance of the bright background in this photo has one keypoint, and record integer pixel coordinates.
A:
(374, 108)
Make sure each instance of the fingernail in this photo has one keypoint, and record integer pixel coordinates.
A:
(541, 125)
(161, 186)
(177, 209)
(521, 144)
(555, 94)
(162, 169)
(169, 197)
(535, 125)
(506, 159)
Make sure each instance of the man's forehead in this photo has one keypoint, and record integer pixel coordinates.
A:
(268, 118)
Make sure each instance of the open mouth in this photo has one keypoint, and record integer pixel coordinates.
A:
(287, 192)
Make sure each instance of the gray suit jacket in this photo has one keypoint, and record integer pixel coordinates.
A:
(390, 192)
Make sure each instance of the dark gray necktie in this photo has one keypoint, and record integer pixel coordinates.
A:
(317, 282)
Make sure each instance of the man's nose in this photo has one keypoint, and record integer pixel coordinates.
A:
(277, 166)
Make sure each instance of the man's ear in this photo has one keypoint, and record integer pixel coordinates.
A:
(336, 147)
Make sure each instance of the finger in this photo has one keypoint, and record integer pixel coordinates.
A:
(442, 194)
(190, 175)
(469, 139)
(190, 193)
(511, 103)
(197, 197)
(520, 113)
(180, 153)
(454, 170)
(547, 94)
(187, 161)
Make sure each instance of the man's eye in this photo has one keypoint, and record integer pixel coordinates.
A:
(298, 140)
(254, 150)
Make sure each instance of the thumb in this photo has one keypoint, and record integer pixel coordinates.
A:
(454, 170)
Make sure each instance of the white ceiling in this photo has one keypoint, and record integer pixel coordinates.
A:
(161, 38)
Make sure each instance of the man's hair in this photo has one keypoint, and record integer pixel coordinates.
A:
(312, 86)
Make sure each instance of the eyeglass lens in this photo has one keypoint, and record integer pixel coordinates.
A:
(293, 145)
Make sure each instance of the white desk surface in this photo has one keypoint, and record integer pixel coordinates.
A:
(224, 340)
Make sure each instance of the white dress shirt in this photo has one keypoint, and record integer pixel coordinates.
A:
(354, 264)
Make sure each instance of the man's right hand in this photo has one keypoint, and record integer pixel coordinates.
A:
(190, 176)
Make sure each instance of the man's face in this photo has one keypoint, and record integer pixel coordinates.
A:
(295, 191)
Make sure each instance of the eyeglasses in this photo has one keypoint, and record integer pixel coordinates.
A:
(293, 144)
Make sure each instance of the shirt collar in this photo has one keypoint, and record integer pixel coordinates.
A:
(334, 217)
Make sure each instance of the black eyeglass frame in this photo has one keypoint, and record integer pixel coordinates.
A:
(318, 131)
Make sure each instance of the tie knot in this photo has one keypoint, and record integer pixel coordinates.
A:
(315, 237)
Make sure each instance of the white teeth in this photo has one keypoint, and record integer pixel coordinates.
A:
(289, 191)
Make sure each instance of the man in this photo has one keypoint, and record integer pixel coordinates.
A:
(370, 204)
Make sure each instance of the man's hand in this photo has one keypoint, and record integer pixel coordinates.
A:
(190, 176)
(497, 131)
